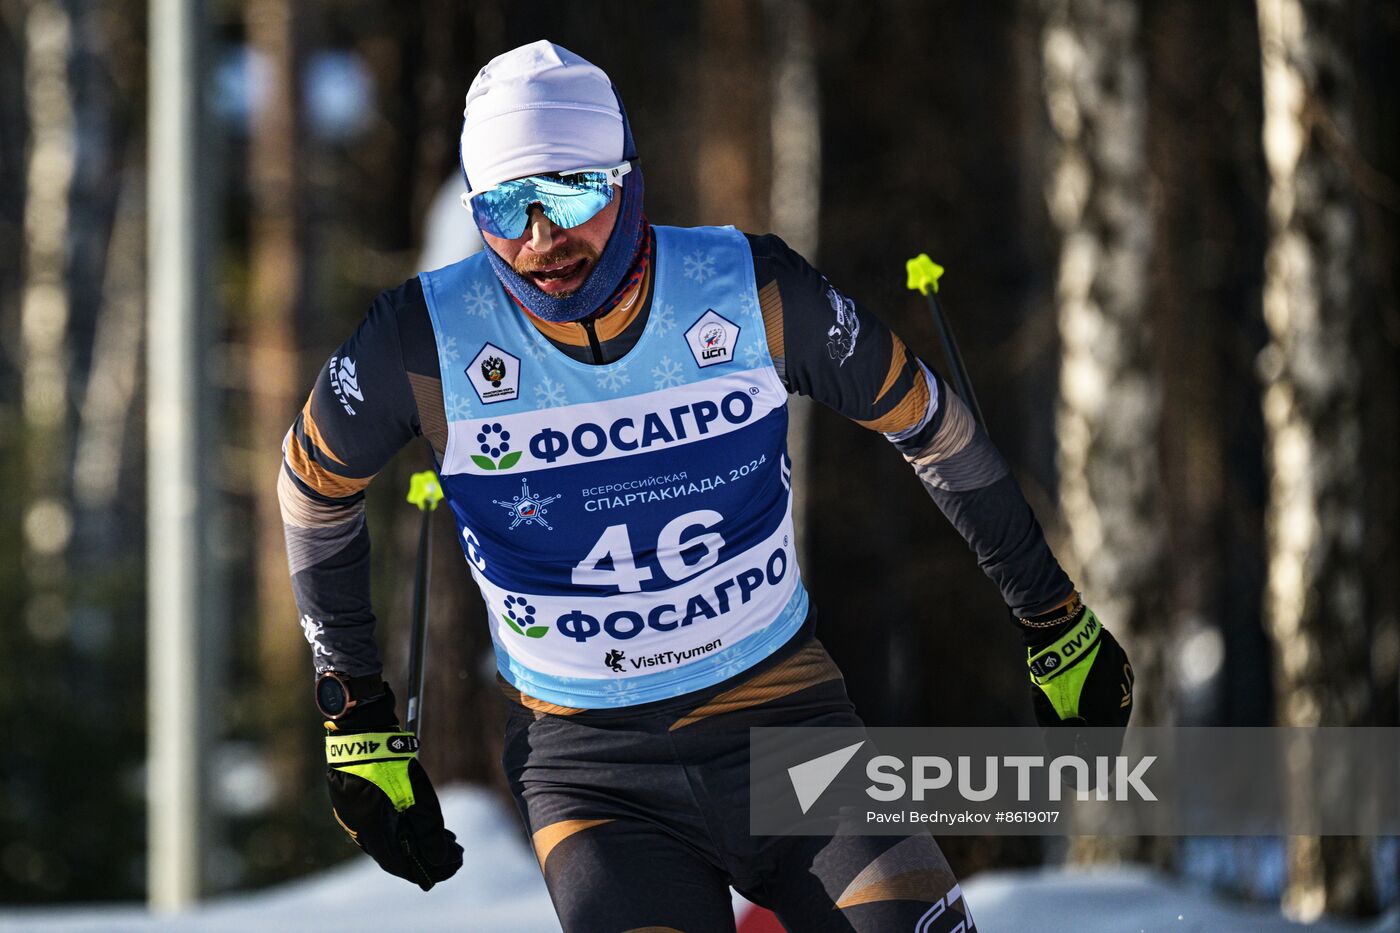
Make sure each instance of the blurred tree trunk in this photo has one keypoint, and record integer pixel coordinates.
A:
(276, 293)
(1108, 419)
(934, 141)
(45, 310)
(1375, 168)
(106, 461)
(1315, 604)
(107, 289)
(1207, 269)
(62, 127)
(13, 120)
(13, 141)
(462, 706)
(731, 113)
(1110, 392)
(794, 198)
(794, 208)
(107, 407)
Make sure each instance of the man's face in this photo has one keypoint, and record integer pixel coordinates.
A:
(555, 259)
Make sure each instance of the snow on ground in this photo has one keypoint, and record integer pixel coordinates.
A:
(1124, 900)
(499, 889)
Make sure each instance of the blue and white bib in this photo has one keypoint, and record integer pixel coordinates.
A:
(629, 524)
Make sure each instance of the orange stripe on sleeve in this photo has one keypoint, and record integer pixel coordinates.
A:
(898, 357)
(317, 477)
(313, 433)
(909, 411)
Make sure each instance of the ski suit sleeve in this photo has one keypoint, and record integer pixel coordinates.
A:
(359, 414)
(829, 347)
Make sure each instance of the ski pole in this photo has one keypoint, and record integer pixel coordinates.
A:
(425, 492)
(924, 274)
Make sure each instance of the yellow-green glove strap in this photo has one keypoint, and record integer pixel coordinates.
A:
(379, 757)
(1060, 668)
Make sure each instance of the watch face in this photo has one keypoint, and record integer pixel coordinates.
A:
(330, 696)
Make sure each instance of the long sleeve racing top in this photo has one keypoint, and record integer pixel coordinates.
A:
(382, 388)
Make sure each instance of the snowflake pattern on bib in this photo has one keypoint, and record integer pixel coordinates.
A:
(663, 319)
(550, 394)
(699, 266)
(633, 520)
(666, 373)
(479, 300)
(448, 351)
(614, 378)
(456, 407)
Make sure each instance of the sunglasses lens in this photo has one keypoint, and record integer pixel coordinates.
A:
(504, 211)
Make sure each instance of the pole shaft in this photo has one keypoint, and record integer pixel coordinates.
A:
(418, 643)
(962, 384)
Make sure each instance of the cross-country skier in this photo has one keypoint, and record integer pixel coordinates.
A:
(606, 401)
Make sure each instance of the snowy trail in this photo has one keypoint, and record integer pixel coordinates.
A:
(1124, 900)
(499, 889)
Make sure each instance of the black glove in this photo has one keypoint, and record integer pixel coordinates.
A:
(1081, 684)
(382, 796)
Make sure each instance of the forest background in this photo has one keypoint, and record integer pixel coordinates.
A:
(1170, 228)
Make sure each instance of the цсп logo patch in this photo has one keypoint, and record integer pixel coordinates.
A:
(712, 338)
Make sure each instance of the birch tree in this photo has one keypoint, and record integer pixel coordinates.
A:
(1109, 407)
(1315, 603)
(44, 315)
(795, 196)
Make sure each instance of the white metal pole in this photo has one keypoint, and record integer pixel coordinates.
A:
(175, 746)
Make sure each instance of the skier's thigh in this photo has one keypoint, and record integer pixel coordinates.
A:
(621, 875)
(863, 884)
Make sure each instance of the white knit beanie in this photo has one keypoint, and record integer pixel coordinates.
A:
(538, 108)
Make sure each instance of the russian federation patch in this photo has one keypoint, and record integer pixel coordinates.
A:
(494, 374)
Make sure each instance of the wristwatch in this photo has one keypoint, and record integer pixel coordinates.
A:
(337, 694)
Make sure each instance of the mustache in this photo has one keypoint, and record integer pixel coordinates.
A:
(571, 253)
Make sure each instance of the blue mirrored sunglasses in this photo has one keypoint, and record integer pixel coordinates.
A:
(567, 198)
